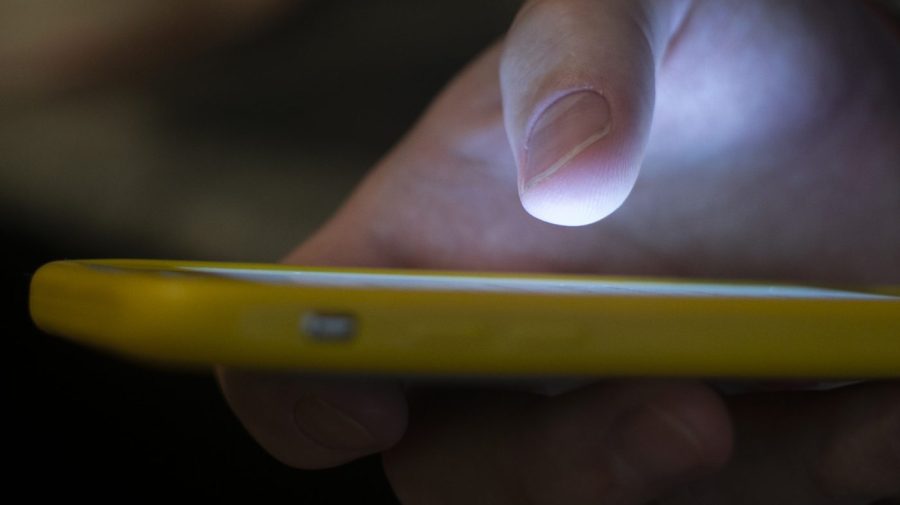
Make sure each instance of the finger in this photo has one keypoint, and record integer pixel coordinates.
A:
(861, 455)
(309, 422)
(318, 422)
(612, 444)
(577, 78)
(840, 446)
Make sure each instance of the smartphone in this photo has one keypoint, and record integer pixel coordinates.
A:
(402, 322)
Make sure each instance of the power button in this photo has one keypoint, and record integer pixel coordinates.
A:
(328, 326)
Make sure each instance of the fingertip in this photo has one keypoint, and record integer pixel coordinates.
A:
(861, 449)
(702, 418)
(580, 195)
(577, 166)
(316, 422)
(663, 433)
(578, 85)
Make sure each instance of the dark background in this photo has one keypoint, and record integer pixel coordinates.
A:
(234, 152)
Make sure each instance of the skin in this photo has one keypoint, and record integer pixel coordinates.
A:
(761, 137)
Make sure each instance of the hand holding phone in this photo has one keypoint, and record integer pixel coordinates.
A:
(781, 195)
(772, 155)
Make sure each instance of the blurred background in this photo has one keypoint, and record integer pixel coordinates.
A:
(194, 129)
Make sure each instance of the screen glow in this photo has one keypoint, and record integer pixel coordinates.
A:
(612, 287)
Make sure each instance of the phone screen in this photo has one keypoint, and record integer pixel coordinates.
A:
(562, 286)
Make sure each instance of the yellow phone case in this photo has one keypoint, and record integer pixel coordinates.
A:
(195, 313)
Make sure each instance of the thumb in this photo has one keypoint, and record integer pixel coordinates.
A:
(577, 78)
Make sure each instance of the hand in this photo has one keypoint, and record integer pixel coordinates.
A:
(765, 134)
